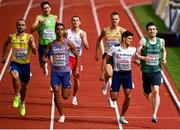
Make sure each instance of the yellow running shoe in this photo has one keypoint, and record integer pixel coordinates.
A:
(16, 101)
(22, 110)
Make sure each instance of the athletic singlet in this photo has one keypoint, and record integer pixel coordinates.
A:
(60, 57)
(153, 51)
(122, 57)
(112, 37)
(20, 48)
(47, 30)
(75, 38)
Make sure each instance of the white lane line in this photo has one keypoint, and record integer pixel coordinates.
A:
(61, 10)
(176, 100)
(93, 7)
(52, 113)
(53, 104)
(91, 117)
(10, 52)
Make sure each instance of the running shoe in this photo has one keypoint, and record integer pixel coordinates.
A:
(61, 118)
(74, 100)
(16, 101)
(122, 120)
(30, 74)
(154, 119)
(22, 109)
(111, 103)
(104, 89)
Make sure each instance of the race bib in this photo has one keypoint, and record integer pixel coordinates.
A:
(60, 61)
(123, 67)
(20, 53)
(154, 59)
(109, 44)
(48, 34)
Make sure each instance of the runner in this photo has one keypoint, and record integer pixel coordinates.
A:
(45, 26)
(152, 53)
(79, 39)
(60, 71)
(22, 45)
(122, 75)
(112, 36)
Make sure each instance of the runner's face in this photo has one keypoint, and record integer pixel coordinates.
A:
(46, 9)
(20, 25)
(75, 22)
(115, 20)
(59, 31)
(128, 40)
(152, 31)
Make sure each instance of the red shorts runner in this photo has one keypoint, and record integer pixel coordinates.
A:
(72, 63)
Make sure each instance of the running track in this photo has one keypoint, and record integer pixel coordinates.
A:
(93, 111)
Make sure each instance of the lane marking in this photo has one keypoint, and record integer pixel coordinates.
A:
(93, 7)
(51, 127)
(52, 113)
(61, 10)
(10, 52)
(92, 117)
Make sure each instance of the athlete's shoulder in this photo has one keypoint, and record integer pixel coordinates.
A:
(132, 48)
(107, 28)
(122, 29)
(162, 41)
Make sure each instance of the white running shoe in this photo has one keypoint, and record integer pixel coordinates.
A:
(154, 119)
(122, 120)
(30, 74)
(61, 118)
(104, 89)
(111, 103)
(74, 100)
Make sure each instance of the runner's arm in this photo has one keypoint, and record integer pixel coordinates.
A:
(5, 47)
(163, 52)
(37, 24)
(83, 36)
(46, 52)
(32, 44)
(101, 36)
(138, 51)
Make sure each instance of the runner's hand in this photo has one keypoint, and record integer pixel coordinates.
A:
(76, 73)
(96, 57)
(164, 61)
(43, 59)
(3, 60)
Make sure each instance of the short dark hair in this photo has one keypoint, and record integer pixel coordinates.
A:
(75, 16)
(114, 13)
(149, 24)
(126, 34)
(44, 3)
(59, 24)
(20, 19)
